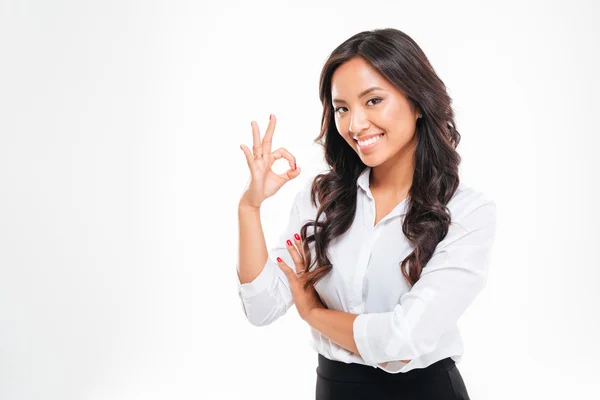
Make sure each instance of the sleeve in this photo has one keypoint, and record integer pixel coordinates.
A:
(268, 296)
(448, 284)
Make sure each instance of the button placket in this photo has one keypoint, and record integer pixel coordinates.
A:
(374, 236)
(362, 262)
(361, 267)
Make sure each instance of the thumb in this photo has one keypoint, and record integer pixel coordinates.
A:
(291, 174)
(290, 273)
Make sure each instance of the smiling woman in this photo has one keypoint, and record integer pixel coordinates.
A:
(385, 251)
(384, 108)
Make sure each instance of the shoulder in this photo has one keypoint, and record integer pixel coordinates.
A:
(472, 208)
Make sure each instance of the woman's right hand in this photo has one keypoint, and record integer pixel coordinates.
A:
(264, 182)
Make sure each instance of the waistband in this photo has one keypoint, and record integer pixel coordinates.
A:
(354, 372)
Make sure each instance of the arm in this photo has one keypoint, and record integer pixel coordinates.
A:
(449, 283)
(252, 254)
(337, 326)
(262, 287)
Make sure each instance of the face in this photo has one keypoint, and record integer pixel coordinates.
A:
(378, 124)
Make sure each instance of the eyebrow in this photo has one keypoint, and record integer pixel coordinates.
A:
(361, 94)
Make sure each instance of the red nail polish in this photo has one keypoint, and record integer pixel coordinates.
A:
(294, 166)
(270, 117)
(279, 259)
(297, 236)
(289, 242)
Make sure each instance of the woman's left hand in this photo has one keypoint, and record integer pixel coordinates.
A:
(305, 300)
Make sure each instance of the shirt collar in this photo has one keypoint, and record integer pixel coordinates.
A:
(363, 182)
(363, 179)
(400, 209)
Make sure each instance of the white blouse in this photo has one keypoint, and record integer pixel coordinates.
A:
(394, 323)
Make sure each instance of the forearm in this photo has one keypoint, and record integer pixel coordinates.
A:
(335, 325)
(252, 251)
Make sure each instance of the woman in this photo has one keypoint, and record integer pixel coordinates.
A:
(384, 252)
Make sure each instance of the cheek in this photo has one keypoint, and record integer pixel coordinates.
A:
(339, 127)
(343, 132)
(348, 139)
(392, 112)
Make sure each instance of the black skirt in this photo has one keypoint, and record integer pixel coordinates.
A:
(340, 381)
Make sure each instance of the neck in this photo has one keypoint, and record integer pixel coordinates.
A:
(396, 174)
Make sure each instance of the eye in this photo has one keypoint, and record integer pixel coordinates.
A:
(375, 99)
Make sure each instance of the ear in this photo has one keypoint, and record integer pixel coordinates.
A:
(418, 113)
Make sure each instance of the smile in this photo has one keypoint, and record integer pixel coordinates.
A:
(369, 143)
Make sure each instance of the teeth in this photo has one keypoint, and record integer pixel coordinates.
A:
(369, 141)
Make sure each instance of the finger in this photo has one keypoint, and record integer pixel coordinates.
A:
(282, 152)
(267, 140)
(248, 154)
(300, 246)
(256, 146)
(289, 174)
(298, 261)
(290, 273)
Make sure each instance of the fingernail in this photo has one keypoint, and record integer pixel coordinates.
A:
(279, 259)
(297, 236)
(294, 166)
(270, 117)
(289, 242)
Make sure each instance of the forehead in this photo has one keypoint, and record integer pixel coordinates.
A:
(354, 76)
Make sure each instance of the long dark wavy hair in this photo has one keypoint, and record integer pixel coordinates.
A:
(398, 58)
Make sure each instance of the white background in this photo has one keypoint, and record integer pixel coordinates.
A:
(120, 173)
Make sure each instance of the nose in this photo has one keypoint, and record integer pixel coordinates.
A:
(358, 122)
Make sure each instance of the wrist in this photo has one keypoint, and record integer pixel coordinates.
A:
(244, 205)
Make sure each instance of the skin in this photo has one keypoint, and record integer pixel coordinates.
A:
(385, 110)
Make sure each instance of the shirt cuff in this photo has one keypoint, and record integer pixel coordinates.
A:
(263, 281)
(361, 338)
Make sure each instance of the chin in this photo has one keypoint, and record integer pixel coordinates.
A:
(372, 160)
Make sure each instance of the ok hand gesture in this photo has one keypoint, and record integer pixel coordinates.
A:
(264, 182)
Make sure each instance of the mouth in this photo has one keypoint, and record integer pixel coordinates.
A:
(365, 145)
